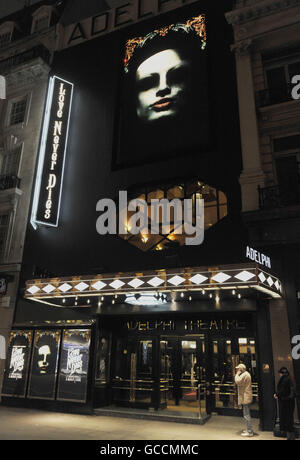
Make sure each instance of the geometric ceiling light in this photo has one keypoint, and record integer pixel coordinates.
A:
(172, 237)
(146, 299)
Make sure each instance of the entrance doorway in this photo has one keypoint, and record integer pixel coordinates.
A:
(225, 354)
(184, 360)
(134, 372)
(186, 374)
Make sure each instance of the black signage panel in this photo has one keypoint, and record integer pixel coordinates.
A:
(49, 179)
(44, 364)
(16, 373)
(72, 380)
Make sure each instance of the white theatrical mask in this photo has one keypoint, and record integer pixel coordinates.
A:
(43, 363)
(162, 83)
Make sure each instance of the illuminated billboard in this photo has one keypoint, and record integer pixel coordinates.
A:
(49, 179)
(16, 373)
(74, 360)
(44, 364)
(164, 109)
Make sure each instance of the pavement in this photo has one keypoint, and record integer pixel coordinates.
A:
(32, 424)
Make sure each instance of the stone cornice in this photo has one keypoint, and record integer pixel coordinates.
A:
(243, 47)
(10, 198)
(259, 10)
(28, 42)
(27, 73)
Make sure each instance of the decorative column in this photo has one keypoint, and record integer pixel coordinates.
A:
(252, 175)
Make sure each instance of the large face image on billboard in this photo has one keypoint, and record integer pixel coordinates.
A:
(44, 364)
(164, 107)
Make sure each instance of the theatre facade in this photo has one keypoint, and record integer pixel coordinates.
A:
(114, 319)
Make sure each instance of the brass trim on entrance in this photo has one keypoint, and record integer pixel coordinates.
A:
(133, 388)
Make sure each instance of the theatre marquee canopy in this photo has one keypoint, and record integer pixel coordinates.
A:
(244, 276)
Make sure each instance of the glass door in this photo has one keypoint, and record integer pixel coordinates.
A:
(225, 355)
(189, 373)
(184, 372)
(133, 374)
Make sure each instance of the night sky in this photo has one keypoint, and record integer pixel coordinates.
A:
(10, 7)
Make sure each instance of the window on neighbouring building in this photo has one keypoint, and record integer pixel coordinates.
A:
(284, 144)
(287, 163)
(279, 69)
(4, 221)
(5, 39)
(10, 162)
(18, 111)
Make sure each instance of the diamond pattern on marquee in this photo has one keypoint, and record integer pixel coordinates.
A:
(81, 286)
(245, 276)
(117, 284)
(65, 287)
(262, 277)
(33, 289)
(198, 279)
(136, 283)
(49, 288)
(176, 280)
(98, 285)
(270, 281)
(221, 277)
(155, 281)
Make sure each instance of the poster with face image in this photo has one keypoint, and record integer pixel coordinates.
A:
(44, 364)
(73, 372)
(16, 373)
(164, 108)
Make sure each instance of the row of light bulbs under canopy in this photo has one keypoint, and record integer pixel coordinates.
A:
(159, 297)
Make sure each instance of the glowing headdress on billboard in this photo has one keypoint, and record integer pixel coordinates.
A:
(196, 25)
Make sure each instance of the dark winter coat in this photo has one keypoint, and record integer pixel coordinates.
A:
(286, 402)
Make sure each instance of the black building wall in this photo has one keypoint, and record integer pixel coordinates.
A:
(95, 68)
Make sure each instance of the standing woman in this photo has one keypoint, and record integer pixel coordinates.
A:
(286, 401)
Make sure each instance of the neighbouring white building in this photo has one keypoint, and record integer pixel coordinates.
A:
(27, 43)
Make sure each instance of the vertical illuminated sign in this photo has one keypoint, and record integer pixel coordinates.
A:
(49, 179)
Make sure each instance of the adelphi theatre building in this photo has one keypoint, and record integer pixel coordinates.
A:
(114, 321)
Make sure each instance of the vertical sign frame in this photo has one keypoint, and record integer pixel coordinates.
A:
(74, 365)
(52, 153)
(17, 364)
(43, 374)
